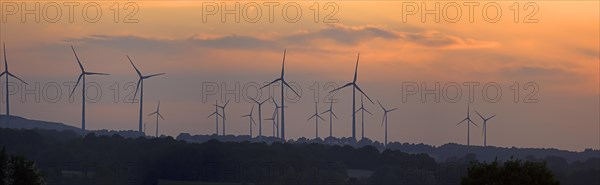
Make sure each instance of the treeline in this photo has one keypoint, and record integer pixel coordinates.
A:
(66, 158)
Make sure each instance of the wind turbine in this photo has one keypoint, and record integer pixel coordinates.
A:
(283, 84)
(223, 110)
(363, 110)
(216, 114)
(157, 113)
(83, 95)
(259, 115)
(330, 110)
(7, 73)
(354, 88)
(384, 120)
(317, 117)
(251, 119)
(468, 119)
(274, 119)
(140, 85)
(485, 127)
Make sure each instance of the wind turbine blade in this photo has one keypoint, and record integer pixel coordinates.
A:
(325, 111)
(76, 57)
(254, 100)
(2, 74)
(348, 84)
(5, 60)
(462, 121)
(334, 115)
(473, 123)
(136, 69)
(380, 105)
(136, 89)
(383, 119)
(149, 76)
(356, 69)
(320, 117)
(227, 102)
(290, 87)
(480, 115)
(90, 73)
(10, 74)
(152, 113)
(271, 83)
(367, 111)
(78, 79)
(283, 63)
(361, 91)
(211, 114)
(392, 109)
(161, 117)
(491, 117)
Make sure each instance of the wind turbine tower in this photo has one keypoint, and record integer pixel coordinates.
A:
(354, 88)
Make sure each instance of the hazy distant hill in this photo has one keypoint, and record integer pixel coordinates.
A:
(22, 123)
(446, 152)
(439, 153)
(17, 122)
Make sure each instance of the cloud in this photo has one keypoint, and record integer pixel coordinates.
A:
(352, 35)
(340, 34)
(550, 74)
(344, 34)
(236, 42)
(155, 44)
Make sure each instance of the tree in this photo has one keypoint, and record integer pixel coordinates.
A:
(18, 170)
(3, 167)
(513, 171)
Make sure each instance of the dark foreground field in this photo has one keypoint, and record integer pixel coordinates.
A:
(64, 157)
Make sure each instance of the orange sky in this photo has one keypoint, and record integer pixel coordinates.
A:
(559, 53)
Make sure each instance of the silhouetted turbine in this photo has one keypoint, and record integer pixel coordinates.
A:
(157, 113)
(468, 119)
(216, 114)
(274, 119)
(224, 117)
(362, 110)
(83, 95)
(259, 115)
(251, 119)
(283, 84)
(385, 120)
(317, 117)
(330, 110)
(7, 73)
(354, 88)
(485, 127)
(140, 84)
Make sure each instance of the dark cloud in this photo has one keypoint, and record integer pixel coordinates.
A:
(236, 42)
(344, 34)
(156, 44)
(352, 35)
(548, 74)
